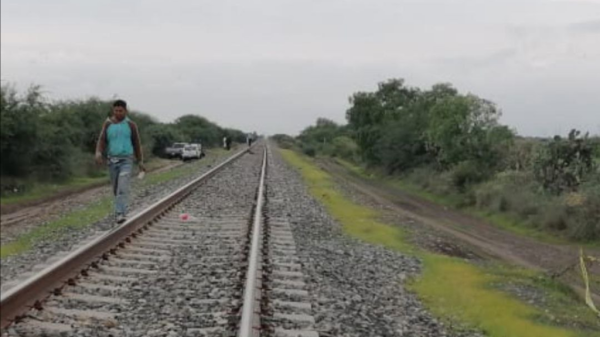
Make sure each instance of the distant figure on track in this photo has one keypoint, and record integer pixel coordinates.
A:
(249, 140)
(225, 142)
(228, 143)
(120, 143)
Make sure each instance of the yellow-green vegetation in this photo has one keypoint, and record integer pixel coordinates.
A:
(73, 220)
(565, 307)
(357, 220)
(459, 291)
(353, 168)
(452, 288)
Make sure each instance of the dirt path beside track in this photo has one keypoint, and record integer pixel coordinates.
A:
(484, 239)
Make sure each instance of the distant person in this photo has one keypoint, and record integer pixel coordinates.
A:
(228, 144)
(225, 142)
(120, 142)
(249, 140)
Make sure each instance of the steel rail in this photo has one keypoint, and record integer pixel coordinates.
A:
(250, 319)
(18, 300)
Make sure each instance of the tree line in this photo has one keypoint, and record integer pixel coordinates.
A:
(453, 144)
(52, 141)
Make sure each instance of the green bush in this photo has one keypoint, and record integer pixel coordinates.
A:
(584, 220)
(562, 164)
(429, 179)
(517, 193)
(284, 141)
(553, 215)
(344, 147)
(309, 150)
(42, 141)
(466, 174)
(319, 138)
(401, 147)
(84, 164)
(19, 124)
(12, 185)
(453, 145)
(511, 192)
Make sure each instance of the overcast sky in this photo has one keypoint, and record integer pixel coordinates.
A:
(276, 65)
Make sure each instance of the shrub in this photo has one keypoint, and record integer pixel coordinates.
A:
(431, 180)
(309, 150)
(584, 219)
(55, 141)
(400, 146)
(562, 164)
(553, 215)
(513, 192)
(11, 185)
(344, 147)
(466, 174)
(85, 165)
(284, 141)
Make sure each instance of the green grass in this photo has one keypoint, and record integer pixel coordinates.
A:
(357, 220)
(353, 168)
(459, 291)
(161, 177)
(44, 190)
(72, 221)
(448, 201)
(40, 191)
(91, 214)
(451, 288)
(565, 305)
(184, 169)
(504, 221)
(499, 220)
(515, 226)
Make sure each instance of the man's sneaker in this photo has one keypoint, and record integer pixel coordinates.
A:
(121, 218)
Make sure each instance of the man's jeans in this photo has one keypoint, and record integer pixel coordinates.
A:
(120, 176)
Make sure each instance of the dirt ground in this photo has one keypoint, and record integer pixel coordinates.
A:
(478, 238)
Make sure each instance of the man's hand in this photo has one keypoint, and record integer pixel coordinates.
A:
(99, 159)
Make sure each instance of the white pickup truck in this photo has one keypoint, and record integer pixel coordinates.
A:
(175, 150)
(192, 151)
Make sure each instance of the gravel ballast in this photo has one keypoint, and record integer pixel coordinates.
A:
(51, 248)
(357, 288)
(228, 197)
(187, 282)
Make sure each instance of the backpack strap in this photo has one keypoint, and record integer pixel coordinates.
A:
(136, 140)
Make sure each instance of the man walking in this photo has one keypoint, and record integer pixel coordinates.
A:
(120, 142)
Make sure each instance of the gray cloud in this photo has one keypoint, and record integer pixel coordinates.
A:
(275, 66)
(591, 26)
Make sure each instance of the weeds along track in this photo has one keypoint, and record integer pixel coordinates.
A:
(207, 260)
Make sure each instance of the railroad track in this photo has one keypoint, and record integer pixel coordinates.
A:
(214, 258)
